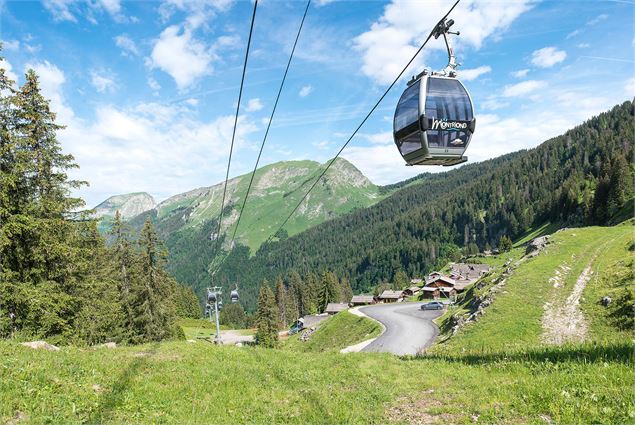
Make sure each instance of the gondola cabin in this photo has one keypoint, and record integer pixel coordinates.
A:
(434, 121)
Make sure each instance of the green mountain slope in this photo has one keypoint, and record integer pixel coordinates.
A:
(582, 177)
(552, 298)
(276, 189)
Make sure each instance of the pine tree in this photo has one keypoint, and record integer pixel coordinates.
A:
(281, 302)
(266, 317)
(329, 291)
(123, 259)
(42, 262)
(234, 316)
(153, 290)
(400, 280)
(301, 292)
(505, 244)
(346, 292)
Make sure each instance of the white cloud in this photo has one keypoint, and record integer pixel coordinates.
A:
(305, 91)
(60, 9)
(254, 105)
(493, 103)
(65, 10)
(153, 84)
(322, 145)
(521, 73)
(583, 46)
(8, 70)
(393, 39)
(523, 89)
(127, 45)
(182, 56)
(473, 74)
(192, 101)
(103, 81)
(10, 45)
(383, 164)
(573, 33)
(598, 19)
(548, 57)
(161, 149)
(113, 7)
(384, 138)
(198, 12)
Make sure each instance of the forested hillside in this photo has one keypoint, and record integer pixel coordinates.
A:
(581, 177)
(58, 279)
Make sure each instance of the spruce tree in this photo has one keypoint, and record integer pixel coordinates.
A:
(400, 280)
(281, 302)
(346, 292)
(43, 262)
(301, 292)
(153, 290)
(266, 317)
(505, 244)
(329, 291)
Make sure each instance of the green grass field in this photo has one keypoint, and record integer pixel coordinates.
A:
(337, 332)
(179, 382)
(496, 370)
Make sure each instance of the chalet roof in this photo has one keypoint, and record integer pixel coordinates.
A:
(362, 299)
(462, 284)
(429, 289)
(311, 320)
(416, 280)
(442, 278)
(390, 295)
(414, 289)
(336, 307)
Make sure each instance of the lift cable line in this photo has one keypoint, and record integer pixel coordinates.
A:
(231, 148)
(264, 140)
(432, 33)
(273, 111)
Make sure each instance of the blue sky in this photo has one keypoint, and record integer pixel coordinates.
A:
(148, 89)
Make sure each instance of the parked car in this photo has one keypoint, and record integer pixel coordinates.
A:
(434, 305)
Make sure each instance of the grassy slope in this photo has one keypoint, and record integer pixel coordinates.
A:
(337, 332)
(514, 319)
(265, 208)
(200, 383)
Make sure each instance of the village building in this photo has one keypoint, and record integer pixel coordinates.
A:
(469, 271)
(416, 281)
(413, 290)
(389, 296)
(362, 300)
(334, 308)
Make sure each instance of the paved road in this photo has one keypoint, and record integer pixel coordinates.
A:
(408, 329)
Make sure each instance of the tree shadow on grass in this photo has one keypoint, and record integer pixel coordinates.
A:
(620, 352)
(109, 402)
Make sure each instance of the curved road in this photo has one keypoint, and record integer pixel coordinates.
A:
(408, 328)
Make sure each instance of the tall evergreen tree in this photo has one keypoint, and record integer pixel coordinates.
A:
(346, 292)
(329, 291)
(301, 292)
(281, 302)
(153, 291)
(266, 317)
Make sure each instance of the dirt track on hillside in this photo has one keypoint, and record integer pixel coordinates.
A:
(563, 320)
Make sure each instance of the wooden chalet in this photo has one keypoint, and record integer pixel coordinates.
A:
(334, 308)
(362, 300)
(389, 296)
